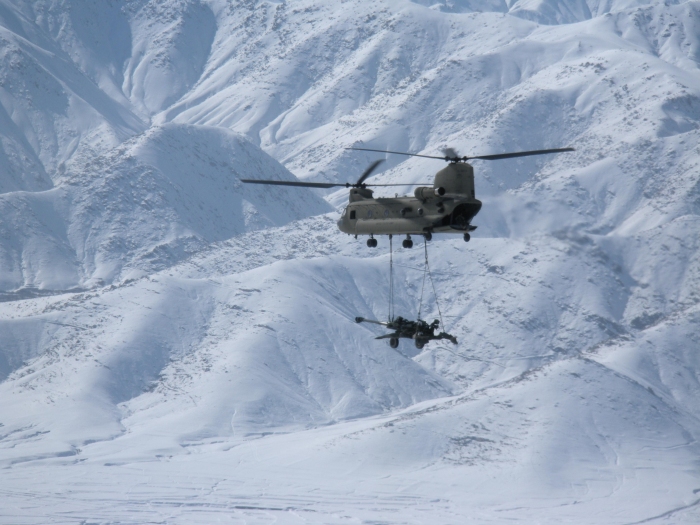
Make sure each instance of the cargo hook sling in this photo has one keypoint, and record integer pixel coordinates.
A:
(391, 279)
(426, 271)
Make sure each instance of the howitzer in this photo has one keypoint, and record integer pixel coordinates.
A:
(420, 331)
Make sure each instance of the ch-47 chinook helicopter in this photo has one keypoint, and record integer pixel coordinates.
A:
(446, 207)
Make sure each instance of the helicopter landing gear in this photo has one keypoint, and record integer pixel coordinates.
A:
(420, 343)
(467, 237)
(428, 236)
(371, 242)
(394, 342)
(407, 242)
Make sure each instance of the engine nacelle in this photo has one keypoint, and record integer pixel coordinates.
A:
(423, 193)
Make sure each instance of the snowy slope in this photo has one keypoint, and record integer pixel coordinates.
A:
(51, 106)
(153, 200)
(561, 403)
(178, 347)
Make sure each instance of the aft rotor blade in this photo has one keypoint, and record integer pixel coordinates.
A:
(519, 154)
(398, 153)
(294, 183)
(479, 157)
(369, 171)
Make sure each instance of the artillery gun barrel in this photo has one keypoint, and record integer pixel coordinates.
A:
(363, 320)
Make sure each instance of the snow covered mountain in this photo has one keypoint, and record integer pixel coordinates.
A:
(153, 200)
(178, 347)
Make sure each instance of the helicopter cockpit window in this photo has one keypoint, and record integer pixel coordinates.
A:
(369, 214)
(345, 212)
(352, 215)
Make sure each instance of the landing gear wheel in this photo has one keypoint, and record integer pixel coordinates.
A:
(407, 243)
(428, 236)
(467, 237)
(371, 242)
(420, 344)
(394, 342)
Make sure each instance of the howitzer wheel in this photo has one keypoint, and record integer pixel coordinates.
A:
(420, 343)
(394, 342)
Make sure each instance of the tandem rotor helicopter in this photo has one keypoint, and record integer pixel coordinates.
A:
(447, 207)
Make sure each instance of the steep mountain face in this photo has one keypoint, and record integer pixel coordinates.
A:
(184, 344)
(56, 100)
(152, 200)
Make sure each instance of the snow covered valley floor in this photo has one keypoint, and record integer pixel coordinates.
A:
(414, 466)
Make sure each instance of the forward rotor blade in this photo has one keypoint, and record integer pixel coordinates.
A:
(325, 184)
(294, 183)
(520, 154)
(398, 153)
(369, 171)
(404, 184)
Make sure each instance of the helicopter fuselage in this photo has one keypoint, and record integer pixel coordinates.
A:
(447, 207)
